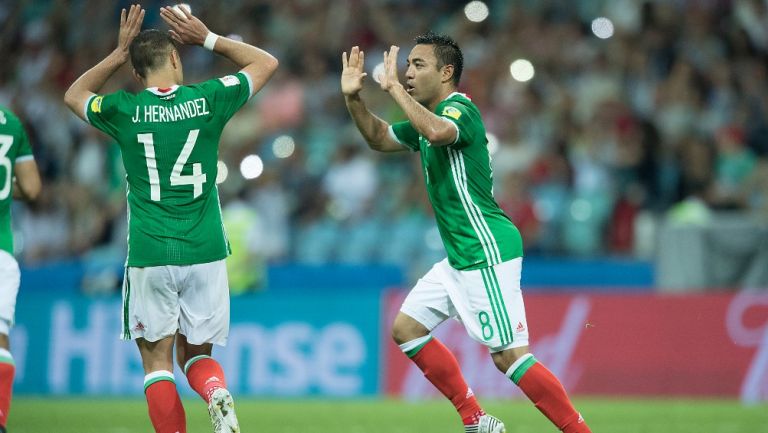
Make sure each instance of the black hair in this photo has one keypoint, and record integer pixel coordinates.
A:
(149, 50)
(447, 52)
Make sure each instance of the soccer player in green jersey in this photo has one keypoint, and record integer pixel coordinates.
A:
(479, 282)
(19, 179)
(175, 287)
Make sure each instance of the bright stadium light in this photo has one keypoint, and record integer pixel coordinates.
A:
(602, 27)
(223, 172)
(251, 167)
(283, 146)
(493, 143)
(522, 70)
(476, 11)
(378, 71)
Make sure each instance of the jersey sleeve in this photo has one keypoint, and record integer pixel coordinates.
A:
(228, 94)
(459, 115)
(405, 134)
(100, 110)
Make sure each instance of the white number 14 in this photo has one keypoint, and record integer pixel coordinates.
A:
(196, 179)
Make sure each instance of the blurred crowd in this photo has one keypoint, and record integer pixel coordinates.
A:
(666, 118)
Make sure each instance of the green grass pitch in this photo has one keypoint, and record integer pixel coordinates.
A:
(46, 415)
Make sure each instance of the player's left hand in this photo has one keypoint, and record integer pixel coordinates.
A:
(388, 79)
(130, 26)
(185, 27)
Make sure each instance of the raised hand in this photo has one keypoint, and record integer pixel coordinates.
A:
(185, 27)
(352, 75)
(389, 77)
(130, 26)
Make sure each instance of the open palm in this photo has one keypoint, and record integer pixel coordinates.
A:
(389, 77)
(352, 74)
(130, 26)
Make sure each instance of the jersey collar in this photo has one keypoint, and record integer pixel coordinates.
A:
(163, 92)
(454, 94)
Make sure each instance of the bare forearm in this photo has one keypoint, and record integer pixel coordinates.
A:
(93, 79)
(240, 53)
(373, 129)
(257, 63)
(434, 128)
(26, 183)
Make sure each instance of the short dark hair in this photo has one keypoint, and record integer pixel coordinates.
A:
(447, 52)
(149, 50)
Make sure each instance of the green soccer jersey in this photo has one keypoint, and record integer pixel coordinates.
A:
(475, 231)
(169, 139)
(14, 147)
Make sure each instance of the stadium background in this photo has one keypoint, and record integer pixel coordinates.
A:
(630, 145)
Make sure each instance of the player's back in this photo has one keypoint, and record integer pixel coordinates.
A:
(169, 140)
(14, 147)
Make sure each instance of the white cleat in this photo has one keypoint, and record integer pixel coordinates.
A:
(222, 411)
(490, 424)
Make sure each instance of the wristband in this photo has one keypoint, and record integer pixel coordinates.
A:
(210, 41)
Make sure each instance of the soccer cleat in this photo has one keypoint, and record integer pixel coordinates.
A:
(222, 410)
(486, 424)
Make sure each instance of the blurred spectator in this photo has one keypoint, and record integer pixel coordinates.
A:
(516, 201)
(350, 181)
(733, 167)
(669, 113)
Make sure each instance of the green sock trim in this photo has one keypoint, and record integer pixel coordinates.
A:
(522, 369)
(411, 353)
(7, 360)
(151, 382)
(192, 361)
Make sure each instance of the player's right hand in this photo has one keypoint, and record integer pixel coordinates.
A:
(352, 74)
(130, 26)
(185, 29)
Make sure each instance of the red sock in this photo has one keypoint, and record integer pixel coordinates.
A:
(205, 376)
(441, 368)
(548, 395)
(165, 409)
(7, 371)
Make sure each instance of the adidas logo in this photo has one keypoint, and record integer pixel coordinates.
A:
(580, 420)
(212, 379)
(469, 393)
(520, 327)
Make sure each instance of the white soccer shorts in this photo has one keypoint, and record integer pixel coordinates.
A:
(9, 288)
(488, 302)
(193, 299)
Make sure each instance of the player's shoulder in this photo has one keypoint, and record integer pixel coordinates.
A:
(229, 80)
(117, 96)
(8, 117)
(460, 99)
(456, 105)
(10, 122)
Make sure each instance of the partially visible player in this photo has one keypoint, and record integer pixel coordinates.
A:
(175, 287)
(19, 179)
(479, 282)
